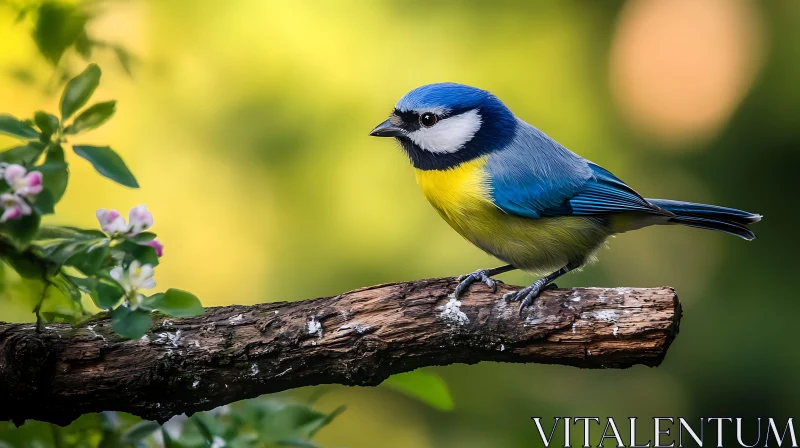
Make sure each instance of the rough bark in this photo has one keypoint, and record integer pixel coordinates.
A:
(357, 338)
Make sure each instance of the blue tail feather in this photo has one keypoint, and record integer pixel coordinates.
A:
(713, 217)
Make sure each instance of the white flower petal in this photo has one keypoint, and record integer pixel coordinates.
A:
(8, 199)
(102, 216)
(14, 173)
(111, 221)
(139, 219)
(147, 271)
(25, 208)
(116, 273)
(14, 207)
(118, 225)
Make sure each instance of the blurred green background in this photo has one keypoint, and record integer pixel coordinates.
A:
(246, 124)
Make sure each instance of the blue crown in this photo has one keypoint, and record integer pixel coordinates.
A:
(445, 94)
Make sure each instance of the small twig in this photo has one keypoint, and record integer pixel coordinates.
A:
(36, 310)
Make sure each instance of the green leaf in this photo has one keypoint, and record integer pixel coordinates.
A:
(290, 423)
(60, 251)
(84, 46)
(79, 89)
(90, 261)
(26, 264)
(23, 230)
(125, 59)
(55, 171)
(67, 232)
(83, 249)
(109, 421)
(175, 303)
(92, 117)
(104, 291)
(85, 284)
(327, 420)
(67, 287)
(168, 441)
(44, 203)
(11, 126)
(144, 254)
(110, 437)
(58, 26)
(22, 155)
(130, 324)
(48, 123)
(429, 388)
(139, 431)
(143, 237)
(56, 232)
(23, 12)
(204, 425)
(108, 163)
(58, 303)
(107, 294)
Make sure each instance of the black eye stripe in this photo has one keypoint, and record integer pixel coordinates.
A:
(410, 120)
(407, 117)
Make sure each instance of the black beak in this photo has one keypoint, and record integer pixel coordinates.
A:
(387, 129)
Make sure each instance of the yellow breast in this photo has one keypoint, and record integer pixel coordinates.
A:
(462, 196)
(458, 192)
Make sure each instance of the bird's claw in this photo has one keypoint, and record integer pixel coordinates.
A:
(481, 275)
(527, 295)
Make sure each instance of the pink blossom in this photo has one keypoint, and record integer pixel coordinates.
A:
(111, 221)
(14, 207)
(139, 219)
(22, 182)
(114, 224)
(14, 173)
(155, 244)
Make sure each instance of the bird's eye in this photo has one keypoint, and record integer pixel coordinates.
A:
(428, 119)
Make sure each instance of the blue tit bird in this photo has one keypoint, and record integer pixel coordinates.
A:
(520, 196)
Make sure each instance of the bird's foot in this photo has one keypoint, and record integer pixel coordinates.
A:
(481, 275)
(529, 294)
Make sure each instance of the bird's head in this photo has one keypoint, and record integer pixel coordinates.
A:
(442, 125)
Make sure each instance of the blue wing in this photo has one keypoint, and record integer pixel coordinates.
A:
(536, 177)
(602, 194)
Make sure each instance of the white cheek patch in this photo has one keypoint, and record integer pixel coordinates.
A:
(448, 135)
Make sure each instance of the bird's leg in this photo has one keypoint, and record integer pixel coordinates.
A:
(482, 275)
(527, 295)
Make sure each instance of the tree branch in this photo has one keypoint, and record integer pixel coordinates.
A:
(357, 338)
